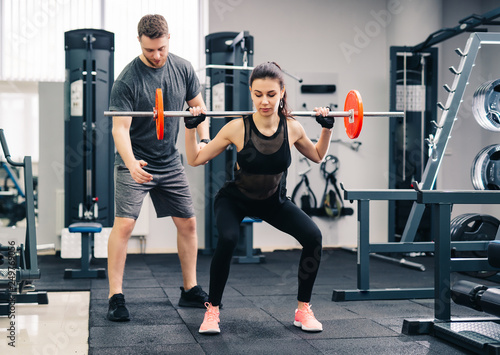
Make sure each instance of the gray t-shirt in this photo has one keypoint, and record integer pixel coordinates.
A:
(134, 90)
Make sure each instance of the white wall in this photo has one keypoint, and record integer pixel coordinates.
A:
(351, 39)
(18, 118)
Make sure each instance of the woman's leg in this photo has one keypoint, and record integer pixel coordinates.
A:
(292, 220)
(228, 218)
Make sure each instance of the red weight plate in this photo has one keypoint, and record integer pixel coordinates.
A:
(158, 114)
(353, 125)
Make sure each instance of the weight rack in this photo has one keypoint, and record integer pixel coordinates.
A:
(438, 143)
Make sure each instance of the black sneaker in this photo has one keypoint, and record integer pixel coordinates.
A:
(117, 311)
(195, 297)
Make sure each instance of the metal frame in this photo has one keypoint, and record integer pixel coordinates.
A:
(465, 25)
(27, 261)
(363, 291)
(441, 203)
(445, 125)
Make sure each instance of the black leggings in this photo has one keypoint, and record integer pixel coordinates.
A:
(285, 216)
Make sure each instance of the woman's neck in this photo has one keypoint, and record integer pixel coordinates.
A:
(266, 125)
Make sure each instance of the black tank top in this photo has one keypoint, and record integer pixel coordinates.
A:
(263, 160)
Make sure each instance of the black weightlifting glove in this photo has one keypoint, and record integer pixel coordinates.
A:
(326, 122)
(193, 122)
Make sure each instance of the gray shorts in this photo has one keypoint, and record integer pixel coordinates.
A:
(169, 192)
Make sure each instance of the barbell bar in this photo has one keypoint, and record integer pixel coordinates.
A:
(353, 114)
(245, 113)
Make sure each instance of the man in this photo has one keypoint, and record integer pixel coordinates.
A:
(145, 164)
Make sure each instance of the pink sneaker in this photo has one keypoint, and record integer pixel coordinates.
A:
(305, 319)
(210, 323)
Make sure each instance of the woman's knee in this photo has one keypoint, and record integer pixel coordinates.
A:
(228, 241)
(314, 237)
(318, 237)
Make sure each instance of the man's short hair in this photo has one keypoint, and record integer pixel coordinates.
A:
(152, 26)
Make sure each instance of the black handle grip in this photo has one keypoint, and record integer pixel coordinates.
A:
(5, 148)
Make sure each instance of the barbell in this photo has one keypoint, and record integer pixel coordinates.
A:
(353, 114)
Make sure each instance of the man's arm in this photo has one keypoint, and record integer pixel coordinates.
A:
(202, 128)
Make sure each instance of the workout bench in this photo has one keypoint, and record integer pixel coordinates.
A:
(87, 229)
(252, 256)
(363, 291)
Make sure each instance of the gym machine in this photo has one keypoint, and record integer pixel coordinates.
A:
(19, 264)
(89, 148)
(414, 91)
(229, 59)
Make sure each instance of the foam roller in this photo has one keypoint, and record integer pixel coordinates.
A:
(490, 301)
(468, 294)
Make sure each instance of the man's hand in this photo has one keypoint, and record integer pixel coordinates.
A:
(139, 175)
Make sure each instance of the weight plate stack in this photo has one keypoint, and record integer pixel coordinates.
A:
(474, 227)
(485, 171)
(486, 105)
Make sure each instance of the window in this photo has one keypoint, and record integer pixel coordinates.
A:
(32, 32)
(32, 49)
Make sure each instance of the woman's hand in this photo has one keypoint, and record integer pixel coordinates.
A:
(198, 117)
(322, 117)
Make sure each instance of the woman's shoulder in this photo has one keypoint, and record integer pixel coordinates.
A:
(293, 123)
(235, 125)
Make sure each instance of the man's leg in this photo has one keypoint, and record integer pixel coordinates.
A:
(117, 252)
(187, 245)
(192, 295)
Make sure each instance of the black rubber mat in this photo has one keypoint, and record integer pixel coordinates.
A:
(259, 304)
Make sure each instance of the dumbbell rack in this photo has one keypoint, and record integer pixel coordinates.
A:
(438, 142)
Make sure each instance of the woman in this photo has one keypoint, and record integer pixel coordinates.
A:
(263, 141)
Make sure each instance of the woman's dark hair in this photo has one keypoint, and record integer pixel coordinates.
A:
(271, 70)
(152, 26)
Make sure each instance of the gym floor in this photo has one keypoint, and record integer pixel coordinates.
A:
(257, 314)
